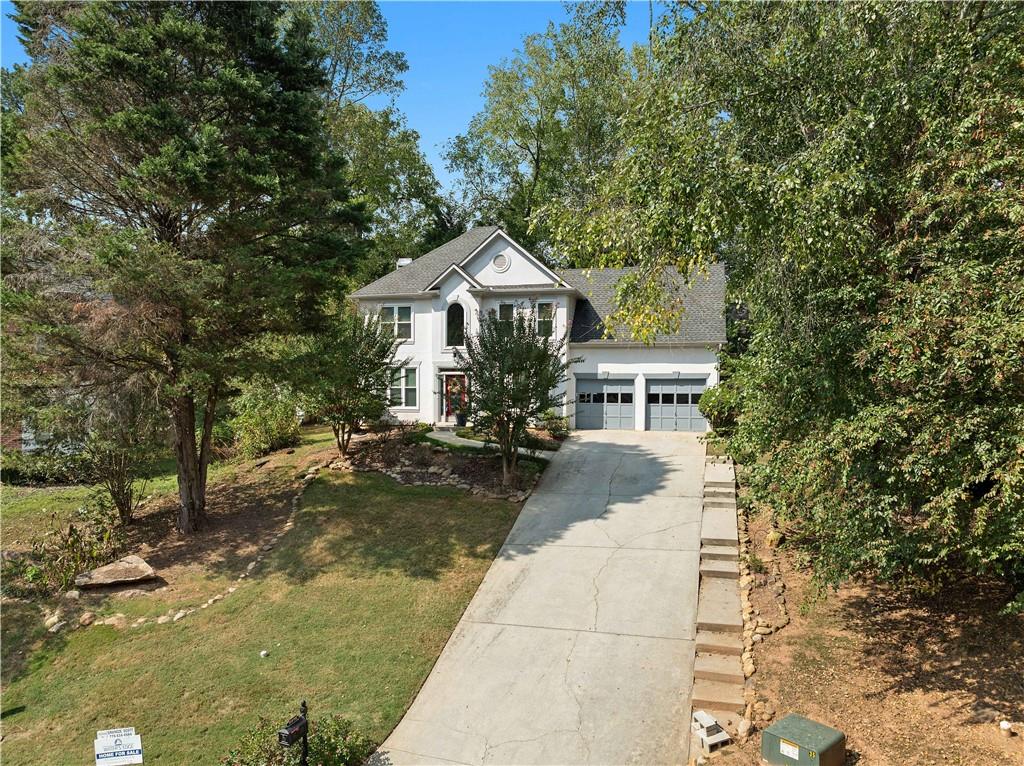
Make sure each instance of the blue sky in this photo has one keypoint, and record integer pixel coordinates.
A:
(449, 46)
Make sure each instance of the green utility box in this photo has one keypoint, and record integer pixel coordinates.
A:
(799, 741)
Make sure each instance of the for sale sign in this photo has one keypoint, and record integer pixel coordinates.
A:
(118, 747)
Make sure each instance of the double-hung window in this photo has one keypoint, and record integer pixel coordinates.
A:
(403, 387)
(399, 319)
(506, 311)
(545, 319)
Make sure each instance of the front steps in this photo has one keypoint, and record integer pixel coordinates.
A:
(717, 668)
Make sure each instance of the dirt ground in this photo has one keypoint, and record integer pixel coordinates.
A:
(910, 680)
(243, 509)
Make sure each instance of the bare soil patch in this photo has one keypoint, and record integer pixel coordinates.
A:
(912, 680)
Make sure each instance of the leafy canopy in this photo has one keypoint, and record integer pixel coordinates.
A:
(859, 168)
(548, 123)
(516, 375)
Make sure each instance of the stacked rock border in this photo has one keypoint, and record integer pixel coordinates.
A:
(404, 473)
(759, 711)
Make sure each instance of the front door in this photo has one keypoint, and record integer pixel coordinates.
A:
(453, 398)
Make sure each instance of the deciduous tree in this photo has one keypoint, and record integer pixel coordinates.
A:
(347, 371)
(859, 167)
(516, 375)
(547, 125)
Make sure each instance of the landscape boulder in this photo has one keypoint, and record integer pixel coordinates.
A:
(129, 569)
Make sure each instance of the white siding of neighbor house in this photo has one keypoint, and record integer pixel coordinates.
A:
(643, 362)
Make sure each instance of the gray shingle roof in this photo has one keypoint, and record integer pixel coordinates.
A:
(703, 320)
(704, 301)
(422, 271)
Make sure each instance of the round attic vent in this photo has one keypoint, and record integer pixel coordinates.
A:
(500, 262)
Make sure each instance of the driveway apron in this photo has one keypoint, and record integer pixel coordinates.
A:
(578, 646)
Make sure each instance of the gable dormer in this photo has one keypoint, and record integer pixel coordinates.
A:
(501, 262)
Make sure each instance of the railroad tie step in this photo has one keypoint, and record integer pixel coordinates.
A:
(718, 695)
(719, 553)
(720, 484)
(719, 492)
(718, 606)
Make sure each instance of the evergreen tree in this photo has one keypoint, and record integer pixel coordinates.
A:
(177, 200)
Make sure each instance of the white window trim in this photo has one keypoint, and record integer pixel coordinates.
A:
(394, 323)
(403, 406)
(465, 325)
(516, 305)
(537, 320)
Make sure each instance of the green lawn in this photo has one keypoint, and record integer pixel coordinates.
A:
(354, 606)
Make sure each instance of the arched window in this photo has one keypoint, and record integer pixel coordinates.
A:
(456, 325)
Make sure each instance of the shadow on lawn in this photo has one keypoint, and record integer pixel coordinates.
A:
(368, 524)
(23, 633)
(952, 643)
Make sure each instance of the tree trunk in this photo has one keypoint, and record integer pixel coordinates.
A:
(342, 436)
(506, 469)
(193, 460)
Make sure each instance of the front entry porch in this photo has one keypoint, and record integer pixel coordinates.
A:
(451, 399)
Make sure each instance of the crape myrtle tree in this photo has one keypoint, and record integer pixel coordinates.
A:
(346, 372)
(177, 200)
(516, 374)
(859, 166)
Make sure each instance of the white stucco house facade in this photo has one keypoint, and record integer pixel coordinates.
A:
(437, 299)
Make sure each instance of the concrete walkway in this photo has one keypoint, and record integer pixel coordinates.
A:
(578, 646)
(450, 438)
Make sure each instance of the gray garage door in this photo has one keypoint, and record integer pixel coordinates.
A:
(604, 404)
(672, 405)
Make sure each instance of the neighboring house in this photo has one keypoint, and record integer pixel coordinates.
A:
(435, 300)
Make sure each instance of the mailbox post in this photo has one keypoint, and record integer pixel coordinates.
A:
(297, 728)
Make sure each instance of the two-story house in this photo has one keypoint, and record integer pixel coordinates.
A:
(434, 301)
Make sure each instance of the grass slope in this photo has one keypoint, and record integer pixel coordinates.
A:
(354, 606)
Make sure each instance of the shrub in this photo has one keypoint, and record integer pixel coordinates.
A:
(44, 467)
(126, 432)
(756, 564)
(333, 741)
(422, 456)
(412, 433)
(266, 418)
(92, 537)
(556, 425)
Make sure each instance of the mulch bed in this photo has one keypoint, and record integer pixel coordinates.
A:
(427, 464)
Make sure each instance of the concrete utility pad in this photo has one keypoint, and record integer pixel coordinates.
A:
(578, 646)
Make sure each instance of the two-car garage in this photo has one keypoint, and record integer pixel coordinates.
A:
(671, 404)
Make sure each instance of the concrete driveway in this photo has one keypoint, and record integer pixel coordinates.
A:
(578, 646)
